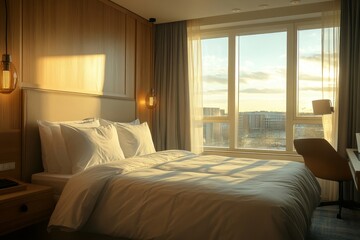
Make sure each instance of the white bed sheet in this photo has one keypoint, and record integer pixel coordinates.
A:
(179, 195)
(56, 181)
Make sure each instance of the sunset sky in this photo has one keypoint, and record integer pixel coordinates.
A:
(262, 71)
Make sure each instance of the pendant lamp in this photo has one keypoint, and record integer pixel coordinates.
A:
(151, 100)
(8, 75)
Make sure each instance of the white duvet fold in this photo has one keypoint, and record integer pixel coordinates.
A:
(82, 190)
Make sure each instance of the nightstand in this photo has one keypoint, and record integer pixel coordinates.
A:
(26, 207)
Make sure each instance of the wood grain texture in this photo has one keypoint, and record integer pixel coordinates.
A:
(10, 104)
(79, 46)
(144, 70)
(87, 46)
(10, 152)
(23, 208)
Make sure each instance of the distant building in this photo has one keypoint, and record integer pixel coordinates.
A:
(255, 129)
(215, 134)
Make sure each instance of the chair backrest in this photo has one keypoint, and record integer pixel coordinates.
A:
(322, 159)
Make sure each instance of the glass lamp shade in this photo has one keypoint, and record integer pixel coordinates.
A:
(8, 75)
(322, 106)
(151, 99)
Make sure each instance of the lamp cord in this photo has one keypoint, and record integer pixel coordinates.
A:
(6, 26)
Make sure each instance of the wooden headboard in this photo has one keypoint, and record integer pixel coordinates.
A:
(60, 106)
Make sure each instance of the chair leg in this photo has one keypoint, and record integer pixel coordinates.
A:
(341, 199)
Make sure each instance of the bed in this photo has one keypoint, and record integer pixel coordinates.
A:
(55, 180)
(131, 191)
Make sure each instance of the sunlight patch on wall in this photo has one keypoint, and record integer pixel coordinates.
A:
(80, 73)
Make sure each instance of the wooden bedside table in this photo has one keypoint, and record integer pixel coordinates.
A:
(26, 207)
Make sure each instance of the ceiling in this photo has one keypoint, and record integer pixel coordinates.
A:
(176, 10)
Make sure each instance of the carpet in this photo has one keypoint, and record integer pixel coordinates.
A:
(325, 225)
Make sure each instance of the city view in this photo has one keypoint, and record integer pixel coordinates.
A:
(256, 130)
(257, 87)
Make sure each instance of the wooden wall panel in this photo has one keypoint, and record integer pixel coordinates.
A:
(75, 45)
(144, 69)
(87, 46)
(130, 53)
(10, 104)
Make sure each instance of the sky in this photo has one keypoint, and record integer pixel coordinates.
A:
(261, 71)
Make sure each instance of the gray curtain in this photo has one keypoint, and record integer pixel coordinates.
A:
(171, 118)
(349, 80)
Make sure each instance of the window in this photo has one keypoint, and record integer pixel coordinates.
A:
(258, 86)
(262, 90)
(309, 69)
(215, 77)
(215, 91)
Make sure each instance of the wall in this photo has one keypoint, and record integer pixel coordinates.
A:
(10, 104)
(87, 46)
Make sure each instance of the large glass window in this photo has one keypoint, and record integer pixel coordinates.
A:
(215, 91)
(215, 76)
(262, 90)
(258, 86)
(309, 69)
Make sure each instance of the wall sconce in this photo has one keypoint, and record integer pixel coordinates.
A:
(322, 106)
(8, 76)
(151, 99)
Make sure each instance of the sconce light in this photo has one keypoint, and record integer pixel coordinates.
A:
(8, 76)
(322, 106)
(151, 99)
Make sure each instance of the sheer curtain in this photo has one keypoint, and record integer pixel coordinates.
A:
(330, 83)
(195, 86)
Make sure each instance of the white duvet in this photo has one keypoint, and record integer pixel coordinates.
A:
(179, 195)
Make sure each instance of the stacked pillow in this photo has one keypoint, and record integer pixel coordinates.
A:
(88, 147)
(54, 154)
(71, 147)
(135, 139)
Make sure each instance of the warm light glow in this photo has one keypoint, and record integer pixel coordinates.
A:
(6, 79)
(151, 101)
(73, 73)
(142, 102)
(8, 76)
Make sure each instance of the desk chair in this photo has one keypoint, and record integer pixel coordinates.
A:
(324, 162)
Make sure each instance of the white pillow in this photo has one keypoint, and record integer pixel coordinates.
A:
(54, 155)
(104, 122)
(135, 140)
(88, 147)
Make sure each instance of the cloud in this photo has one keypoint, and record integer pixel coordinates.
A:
(312, 58)
(215, 79)
(263, 90)
(317, 89)
(246, 76)
(310, 77)
(217, 91)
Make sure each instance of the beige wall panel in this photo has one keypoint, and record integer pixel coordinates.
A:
(60, 106)
(75, 45)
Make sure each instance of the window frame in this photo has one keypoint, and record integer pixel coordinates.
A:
(292, 94)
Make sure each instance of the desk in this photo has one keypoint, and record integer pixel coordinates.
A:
(354, 164)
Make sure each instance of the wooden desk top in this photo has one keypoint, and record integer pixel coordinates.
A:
(354, 164)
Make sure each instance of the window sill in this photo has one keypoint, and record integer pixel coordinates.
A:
(267, 155)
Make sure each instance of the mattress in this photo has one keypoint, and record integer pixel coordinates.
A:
(56, 181)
